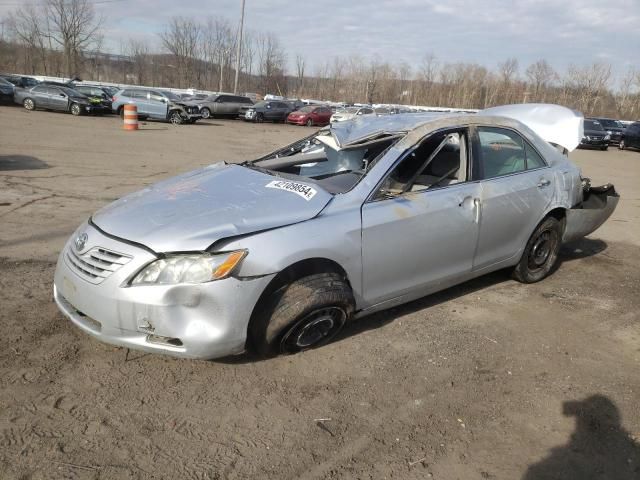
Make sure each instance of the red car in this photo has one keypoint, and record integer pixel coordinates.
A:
(310, 115)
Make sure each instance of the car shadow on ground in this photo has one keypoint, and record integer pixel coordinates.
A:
(598, 448)
(579, 249)
(21, 162)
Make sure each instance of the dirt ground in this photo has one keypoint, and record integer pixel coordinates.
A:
(488, 380)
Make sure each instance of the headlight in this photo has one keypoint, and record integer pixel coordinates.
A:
(196, 268)
(607, 136)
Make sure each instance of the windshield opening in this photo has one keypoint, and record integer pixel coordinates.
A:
(171, 96)
(592, 125)
(319, 159)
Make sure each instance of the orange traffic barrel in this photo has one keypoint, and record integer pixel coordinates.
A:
(130, 117)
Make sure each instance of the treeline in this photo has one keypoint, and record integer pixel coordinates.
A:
(63, 38)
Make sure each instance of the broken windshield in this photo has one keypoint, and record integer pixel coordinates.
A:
(319, 159)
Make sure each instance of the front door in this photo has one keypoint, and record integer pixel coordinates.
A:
(58, 100)
(419, 231)
(516, 190)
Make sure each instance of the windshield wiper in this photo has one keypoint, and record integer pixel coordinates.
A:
(250, 165)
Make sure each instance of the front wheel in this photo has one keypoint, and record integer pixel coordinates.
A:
(175, 118)
(309, 123)
(206, 113)
(76, 109)
(604, 149)
(302, 315)
(259, 118)
(541, 252)
(29, 104)
(621, 145)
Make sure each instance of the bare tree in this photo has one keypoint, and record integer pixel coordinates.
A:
(74, 27)
(508, 71)
(30, 29)
(540, 75)
(271, 58)
(300, 64)
(181, 38)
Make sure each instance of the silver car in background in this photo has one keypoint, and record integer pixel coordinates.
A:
(223, 105)
(277, 254)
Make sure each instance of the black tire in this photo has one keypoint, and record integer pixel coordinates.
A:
(29, 104)
(604, 149)
(304, 314)
(259, 118)
(541, 253)
(309, 123)
(621, 145)
(206, 113)
(175, 118)
(75, 109)
(121, 112)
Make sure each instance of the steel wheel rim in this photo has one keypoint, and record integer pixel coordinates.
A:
(541, 250)
(313, 329)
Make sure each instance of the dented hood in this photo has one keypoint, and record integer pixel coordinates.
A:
(553, 123)
(194, 210)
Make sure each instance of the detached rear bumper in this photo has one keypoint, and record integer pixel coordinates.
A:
(597, 206)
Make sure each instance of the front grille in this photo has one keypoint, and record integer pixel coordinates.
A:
(95, 264)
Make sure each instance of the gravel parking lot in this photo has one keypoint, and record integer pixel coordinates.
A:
(488, 380)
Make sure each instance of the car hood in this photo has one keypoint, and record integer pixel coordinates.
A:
(192, 211)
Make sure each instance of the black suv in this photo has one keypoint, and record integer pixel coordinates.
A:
(594, 135)
(613, 128)
(630, 137)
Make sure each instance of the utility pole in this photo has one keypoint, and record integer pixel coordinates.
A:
(239, 50)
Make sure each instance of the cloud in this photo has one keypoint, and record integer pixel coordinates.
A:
(569, 32)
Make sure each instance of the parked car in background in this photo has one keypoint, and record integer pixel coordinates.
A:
(20, 81)
(614, 129)
(99, 96)
(7, 89)
(630, 137)
(157, 105)
(351, 112)
(194, 97)
(271, 110)
(279, 253)
(310, 115)
(54, 97)
(223, 105)
(594, 135)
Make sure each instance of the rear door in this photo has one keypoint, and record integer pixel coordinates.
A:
(516, 191)
(41, 96)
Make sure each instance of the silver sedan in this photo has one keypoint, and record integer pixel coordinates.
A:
(277, 254)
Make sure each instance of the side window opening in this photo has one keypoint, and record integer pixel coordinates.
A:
(501, 151)
(439, 161)
(534, 160)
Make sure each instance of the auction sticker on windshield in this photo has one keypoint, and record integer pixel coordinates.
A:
(305, 191)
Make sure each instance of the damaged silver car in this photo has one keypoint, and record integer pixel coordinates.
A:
(277, 254)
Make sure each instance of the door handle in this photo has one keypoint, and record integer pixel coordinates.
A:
(476, 206)
(544, 183)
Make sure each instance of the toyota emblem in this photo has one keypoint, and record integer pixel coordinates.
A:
(80, 241)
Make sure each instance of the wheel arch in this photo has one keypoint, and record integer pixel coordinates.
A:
(293, 272)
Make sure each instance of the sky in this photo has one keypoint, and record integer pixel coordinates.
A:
(486, 32)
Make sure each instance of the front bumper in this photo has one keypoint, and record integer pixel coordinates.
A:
(594, 142)
(297, 121)
(195, 321)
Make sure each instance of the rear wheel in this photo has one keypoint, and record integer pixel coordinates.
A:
(206, 113)
(259, 118)
(541, 252)
(29, 104)
(75, 109)
(304, 314)
(621, 145)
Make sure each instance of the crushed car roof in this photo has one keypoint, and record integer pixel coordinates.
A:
(553, 123)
